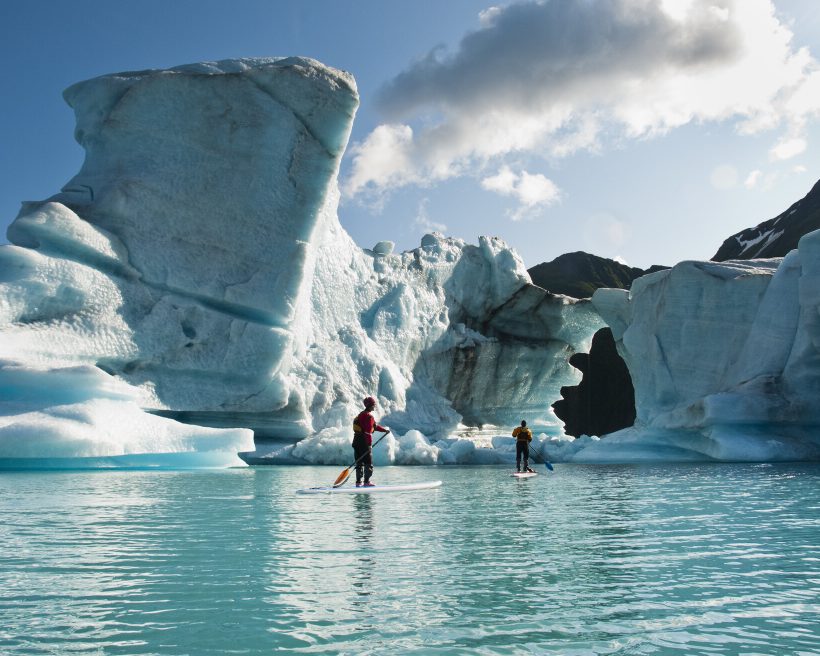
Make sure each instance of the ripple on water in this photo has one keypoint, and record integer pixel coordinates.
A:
(712, 559)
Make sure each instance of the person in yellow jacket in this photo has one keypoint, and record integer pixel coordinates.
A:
(523, 437)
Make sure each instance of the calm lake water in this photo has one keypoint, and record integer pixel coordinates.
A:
(673, 559)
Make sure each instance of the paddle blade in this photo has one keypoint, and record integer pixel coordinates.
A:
(549, 466)
(342, 479)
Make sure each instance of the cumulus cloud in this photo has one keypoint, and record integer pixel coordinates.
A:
(552, 77)
(383, 159)
(531, 190)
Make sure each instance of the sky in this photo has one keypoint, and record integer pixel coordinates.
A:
(646, 131)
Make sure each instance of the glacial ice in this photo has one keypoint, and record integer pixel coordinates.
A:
(724, 360)
(196, 264)
(79, 416)
(190, 294)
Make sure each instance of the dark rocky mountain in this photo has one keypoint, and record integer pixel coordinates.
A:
(777, 236)
(579, 274)
(604, 400)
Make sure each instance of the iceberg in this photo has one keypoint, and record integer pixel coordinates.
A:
(191, 294)
(723, 358)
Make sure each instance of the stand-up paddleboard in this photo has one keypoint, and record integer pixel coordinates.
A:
(426, 485)
(523, 474)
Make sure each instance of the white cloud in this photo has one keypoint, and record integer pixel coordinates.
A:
(536, 189)
(788, 148)
(531, 190)
(551, 78)
(488, 16)
(382, 160)
(752, 179)
(620, 260)
(799, 169)
(501, 183)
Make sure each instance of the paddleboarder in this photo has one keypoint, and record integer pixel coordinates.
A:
(523, 437)
(363, 428)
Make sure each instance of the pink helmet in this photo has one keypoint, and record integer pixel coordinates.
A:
(369, 401)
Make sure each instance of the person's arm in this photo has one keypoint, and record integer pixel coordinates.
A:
(379, 427)
(516, 431)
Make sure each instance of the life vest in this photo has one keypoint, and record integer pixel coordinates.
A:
(523, 434)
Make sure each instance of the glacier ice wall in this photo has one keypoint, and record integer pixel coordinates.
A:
(723, 357)
(197, 265)
(446, 334)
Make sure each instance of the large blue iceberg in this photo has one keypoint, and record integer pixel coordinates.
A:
(191, 286)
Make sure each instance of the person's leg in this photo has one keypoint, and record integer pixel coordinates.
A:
(526, 451)
(358, 451)
(368, 465)
(518, 449)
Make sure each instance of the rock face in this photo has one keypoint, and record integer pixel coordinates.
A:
(195, 268)
(777, 236)
(604, 401)
(579, 274)
(728, 354)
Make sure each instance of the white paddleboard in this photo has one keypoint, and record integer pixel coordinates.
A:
(523, 474)
(426, 485)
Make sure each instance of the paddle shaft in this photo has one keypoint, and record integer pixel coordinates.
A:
(342, 478)
(372, 446)
(536, 457)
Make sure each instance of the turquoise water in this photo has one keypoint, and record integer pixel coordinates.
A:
(678, 559)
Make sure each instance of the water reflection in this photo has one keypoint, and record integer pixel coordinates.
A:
(363, 530)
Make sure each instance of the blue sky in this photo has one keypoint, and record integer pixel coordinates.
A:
(647, 130)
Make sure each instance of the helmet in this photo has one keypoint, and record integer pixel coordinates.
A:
(369, 401)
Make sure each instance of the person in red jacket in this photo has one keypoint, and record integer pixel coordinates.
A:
(363, 428)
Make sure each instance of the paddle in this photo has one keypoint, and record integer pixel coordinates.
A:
(534, 455)
(546, 462)
(342, 478)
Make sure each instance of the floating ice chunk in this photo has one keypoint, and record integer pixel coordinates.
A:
(415, 449)
(80, 416)
(719, 443)
(328, 447)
